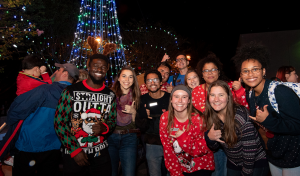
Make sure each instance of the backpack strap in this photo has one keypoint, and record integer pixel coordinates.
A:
(271, 91)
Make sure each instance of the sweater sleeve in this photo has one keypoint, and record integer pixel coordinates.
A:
(239, 96)
(213, 145)
(193, 141)
(171, 161)
(111, 120)
(62, 118)
(46, 78)
(288, 119)
(198, 98)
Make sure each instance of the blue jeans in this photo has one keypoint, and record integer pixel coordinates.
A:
(123, 147)
(220, 163)
(277, 171)
(155, 156)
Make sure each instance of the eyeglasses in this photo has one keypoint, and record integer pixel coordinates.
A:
(180, 59)
(214, 70)
(253, 71)
(156, 80)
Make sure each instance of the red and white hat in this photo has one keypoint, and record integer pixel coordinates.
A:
(91, 113)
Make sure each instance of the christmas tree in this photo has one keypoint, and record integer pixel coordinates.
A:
(98, 18)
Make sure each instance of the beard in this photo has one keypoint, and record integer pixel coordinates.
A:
(95, 81)
(87, 127)
(154, 91)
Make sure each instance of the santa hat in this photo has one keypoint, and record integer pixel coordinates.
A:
(91, 113)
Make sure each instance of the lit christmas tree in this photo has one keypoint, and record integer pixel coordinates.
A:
(98, 18)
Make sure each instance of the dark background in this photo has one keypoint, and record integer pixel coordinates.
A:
(213, 26)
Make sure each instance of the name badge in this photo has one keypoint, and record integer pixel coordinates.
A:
(153, 104)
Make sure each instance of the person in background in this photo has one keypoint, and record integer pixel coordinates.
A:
(282, 127)
(164, 68)
(181, 132)
(85, 114)
(152, 105)
(28, 78)
(191, 79)
(37, 143)
(83, 74)
(123, 140)
(287, 74)
(210, 70)
(182, 64)
(231, 128)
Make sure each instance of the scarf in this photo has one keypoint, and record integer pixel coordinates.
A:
(124, 119)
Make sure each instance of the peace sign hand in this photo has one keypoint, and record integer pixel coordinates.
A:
(215, 135)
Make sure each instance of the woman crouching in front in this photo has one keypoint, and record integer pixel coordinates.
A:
(230, 127)
(182, 136)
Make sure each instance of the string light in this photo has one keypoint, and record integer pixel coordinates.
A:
(98, 19)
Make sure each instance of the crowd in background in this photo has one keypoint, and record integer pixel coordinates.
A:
(196, 122)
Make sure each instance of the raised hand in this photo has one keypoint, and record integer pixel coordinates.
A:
(170, 88)
(130, 109)
(261, 115)
(215, 135)
(43, 69)
(178, 133)
(236, 85)
(165, 58)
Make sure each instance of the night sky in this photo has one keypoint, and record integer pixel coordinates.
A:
(212, 26)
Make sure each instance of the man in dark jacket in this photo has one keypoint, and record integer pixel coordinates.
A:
(31, 131)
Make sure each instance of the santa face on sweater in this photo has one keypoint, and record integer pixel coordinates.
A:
(89, 121)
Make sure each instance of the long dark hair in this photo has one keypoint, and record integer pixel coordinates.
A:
(211, 116)
(135, 86)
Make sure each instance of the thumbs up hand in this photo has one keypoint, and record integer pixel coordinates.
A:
(170, 88)
(165, 58)
(215, 135)
(236, 85)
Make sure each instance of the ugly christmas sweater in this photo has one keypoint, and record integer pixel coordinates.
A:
(75, 115)
(199, 97)
(189, 152)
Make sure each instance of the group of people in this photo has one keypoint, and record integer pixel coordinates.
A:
(197, 122)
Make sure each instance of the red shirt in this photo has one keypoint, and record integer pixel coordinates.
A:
(199, 97)
(26, 82)
(144, 88)
(193, 153)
